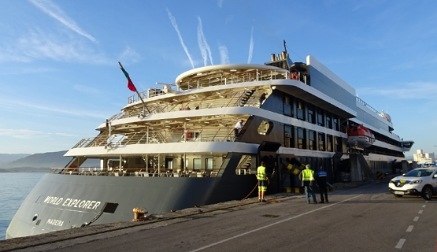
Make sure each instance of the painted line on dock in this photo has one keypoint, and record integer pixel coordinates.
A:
(410, 228)
(271, 225)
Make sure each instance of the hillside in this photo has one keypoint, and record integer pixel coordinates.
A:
(37, 161)
(7, 158)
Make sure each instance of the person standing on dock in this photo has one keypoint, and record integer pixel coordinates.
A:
(261, 176)
(307, 178)
(321, 177)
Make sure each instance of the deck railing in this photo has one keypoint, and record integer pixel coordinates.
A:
(190, 135)
(249, 76)
(137, 172)
(234, 99)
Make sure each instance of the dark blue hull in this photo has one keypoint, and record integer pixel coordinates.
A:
(61, 202)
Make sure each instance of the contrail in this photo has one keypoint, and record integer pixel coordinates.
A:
(175, 25)
(249, 59)
(224, 54)
(201, 42)
(55, 12)
(203, 45)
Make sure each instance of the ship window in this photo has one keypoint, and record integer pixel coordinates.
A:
(209, 163)
(300, 110)
(337, 144)
(288, 136)
(328, 122)
(197, 164)
(311, 116)
(301, 138)
(320, 118)
(335, 125)
(312, 140)
(321, 140)
(329, 143)
(169, 163)
(265, 127)
(288, 105)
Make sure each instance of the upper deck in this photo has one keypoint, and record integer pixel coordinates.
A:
(228, 74)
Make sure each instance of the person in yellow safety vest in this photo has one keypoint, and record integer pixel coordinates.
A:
(307, 178)
(261, 176)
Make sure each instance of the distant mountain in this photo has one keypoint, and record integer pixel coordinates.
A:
(7, 158)
(37, 161)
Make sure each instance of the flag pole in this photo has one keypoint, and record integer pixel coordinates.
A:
(132, 87)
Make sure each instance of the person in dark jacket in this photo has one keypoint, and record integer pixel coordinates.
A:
(321, 178)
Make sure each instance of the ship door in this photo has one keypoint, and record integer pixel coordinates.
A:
(269, 147)
(267, 152)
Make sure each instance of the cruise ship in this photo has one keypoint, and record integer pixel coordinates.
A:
(199, 140)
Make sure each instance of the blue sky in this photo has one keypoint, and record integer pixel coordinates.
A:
(60, 79)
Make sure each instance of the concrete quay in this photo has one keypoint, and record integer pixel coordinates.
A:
(35, 243)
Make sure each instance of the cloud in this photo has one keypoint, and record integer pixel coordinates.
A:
(224, 54)
(26, 133)
(53, 108)
(13, 70)
(249, 59)
(205, 50)
(55, 12)
(175, 26)
(129, 55)
(37, 45)
(87, 90)
(11, 54)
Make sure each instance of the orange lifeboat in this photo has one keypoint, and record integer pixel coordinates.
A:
(360, 136)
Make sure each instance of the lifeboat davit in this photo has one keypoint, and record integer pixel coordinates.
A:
(360, 136)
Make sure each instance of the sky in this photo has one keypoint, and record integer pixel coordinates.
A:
(60, 79)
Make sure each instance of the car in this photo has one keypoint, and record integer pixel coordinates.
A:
(419, 181)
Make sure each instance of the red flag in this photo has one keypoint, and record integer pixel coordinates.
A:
(130, 84)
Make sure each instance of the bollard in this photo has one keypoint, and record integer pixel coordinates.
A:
(138, 214)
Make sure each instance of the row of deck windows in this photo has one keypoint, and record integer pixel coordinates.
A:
(301, 138)
(296, 108)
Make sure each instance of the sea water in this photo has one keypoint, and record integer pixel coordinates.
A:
(14, 188)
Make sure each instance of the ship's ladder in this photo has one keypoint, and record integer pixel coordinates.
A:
(73, 165)
(115, 140)
(244, 98)
(244, 167)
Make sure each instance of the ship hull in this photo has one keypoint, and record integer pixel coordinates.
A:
(61, 202)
